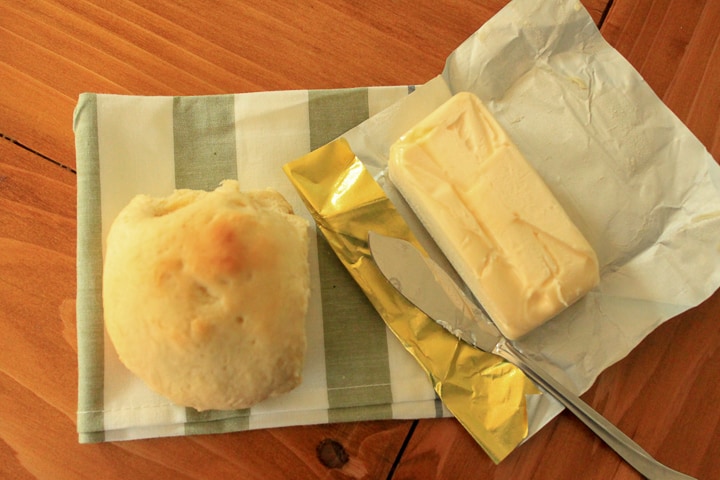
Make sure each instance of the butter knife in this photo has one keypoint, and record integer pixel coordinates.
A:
(426, 285)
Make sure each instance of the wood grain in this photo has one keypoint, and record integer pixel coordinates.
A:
(55, 49)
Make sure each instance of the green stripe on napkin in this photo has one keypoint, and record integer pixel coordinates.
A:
(334, 112)
(204, 138)
(352, 325)
(90, 329)
(216, 421)
(350, 322)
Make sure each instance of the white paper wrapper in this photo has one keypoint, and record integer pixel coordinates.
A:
(633, 178)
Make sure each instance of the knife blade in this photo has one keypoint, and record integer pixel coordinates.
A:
(427, 286)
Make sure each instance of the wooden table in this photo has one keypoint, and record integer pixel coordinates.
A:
(665, 394)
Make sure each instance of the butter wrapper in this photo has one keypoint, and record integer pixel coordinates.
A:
(484, 392)
(587, 122)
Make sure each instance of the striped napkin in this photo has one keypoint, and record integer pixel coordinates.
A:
(585, 118)
(355, 369)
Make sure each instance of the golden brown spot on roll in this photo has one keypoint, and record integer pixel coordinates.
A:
(231, 245)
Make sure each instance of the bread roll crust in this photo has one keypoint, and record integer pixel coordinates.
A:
(205, 295)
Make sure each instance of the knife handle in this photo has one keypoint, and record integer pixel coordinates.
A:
(630, 451)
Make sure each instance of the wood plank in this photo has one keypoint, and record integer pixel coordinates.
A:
(55, 50)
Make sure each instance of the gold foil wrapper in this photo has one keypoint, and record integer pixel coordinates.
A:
(484, 392)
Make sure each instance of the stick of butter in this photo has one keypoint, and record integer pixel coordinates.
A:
(492, 215)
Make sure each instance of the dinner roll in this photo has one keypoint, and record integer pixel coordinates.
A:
(205, 295)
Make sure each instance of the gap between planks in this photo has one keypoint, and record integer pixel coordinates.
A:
(35, 152)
